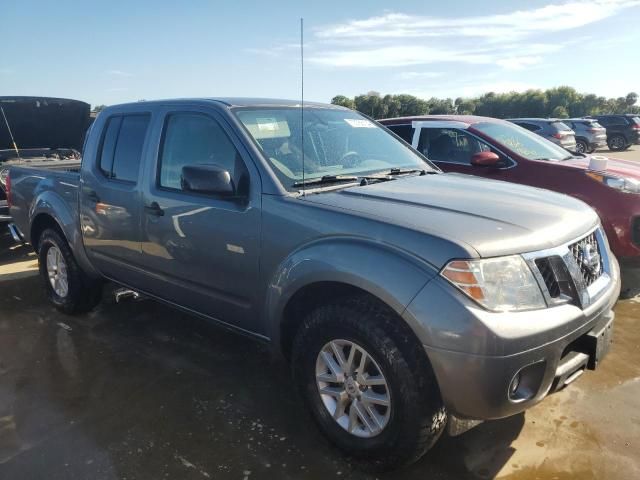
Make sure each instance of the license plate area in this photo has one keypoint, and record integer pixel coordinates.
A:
(596, 344)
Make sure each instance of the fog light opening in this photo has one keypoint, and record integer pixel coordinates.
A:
(515, 383)
(526, 383)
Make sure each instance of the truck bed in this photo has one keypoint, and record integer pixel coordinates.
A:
(59, 183)
(38, 168)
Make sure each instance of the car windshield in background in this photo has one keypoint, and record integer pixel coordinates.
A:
(336, 143)
(523, 142)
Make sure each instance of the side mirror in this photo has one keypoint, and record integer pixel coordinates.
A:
(485, 159)
(209, 179)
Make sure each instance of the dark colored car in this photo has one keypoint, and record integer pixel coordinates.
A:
(622, 130)
(590, 135)
(402, 305)
(497, 149)
(552, 129)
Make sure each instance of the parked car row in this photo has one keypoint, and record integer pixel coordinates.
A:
(585, 135)
(502, 150)
(407, 300)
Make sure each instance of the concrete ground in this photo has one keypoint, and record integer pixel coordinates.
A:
(140, 391)
(633, 153)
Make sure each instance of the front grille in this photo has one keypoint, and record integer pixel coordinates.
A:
(588, 256)
(549, 277)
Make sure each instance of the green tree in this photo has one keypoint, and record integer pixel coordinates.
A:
(559, 112)
(343, 101)
(99, 108)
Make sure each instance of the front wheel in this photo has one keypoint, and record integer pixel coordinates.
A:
(616, 143)
(68, 288)
(367, 383)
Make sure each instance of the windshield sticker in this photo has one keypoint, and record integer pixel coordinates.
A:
(359, 123)
(267, 124)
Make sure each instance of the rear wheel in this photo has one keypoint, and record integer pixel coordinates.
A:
(367, 383)
(67, 286)
(582, 146)
(616, 143)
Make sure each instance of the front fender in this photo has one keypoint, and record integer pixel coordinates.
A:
(393, 275)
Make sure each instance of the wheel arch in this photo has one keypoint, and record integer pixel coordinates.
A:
(336, 268)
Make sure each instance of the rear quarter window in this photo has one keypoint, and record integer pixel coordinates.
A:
(560, 126)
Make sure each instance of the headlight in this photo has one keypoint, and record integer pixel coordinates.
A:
(627, 185)
(504, 284)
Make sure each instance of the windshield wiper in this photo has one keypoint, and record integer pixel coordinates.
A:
(407, 171)
(326, 180)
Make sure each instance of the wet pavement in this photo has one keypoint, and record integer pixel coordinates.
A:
(140, 391)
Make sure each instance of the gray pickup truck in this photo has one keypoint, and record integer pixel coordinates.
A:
(405, 299)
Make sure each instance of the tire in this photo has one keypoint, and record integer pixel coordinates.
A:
(582, 146)
(616, 143)
(415, 417)
(82, 293)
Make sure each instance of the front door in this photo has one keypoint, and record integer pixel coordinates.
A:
(110, 195)
(201, 251)
(451, 149)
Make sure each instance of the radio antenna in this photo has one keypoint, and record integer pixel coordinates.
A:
(6, 122)
(302, 98)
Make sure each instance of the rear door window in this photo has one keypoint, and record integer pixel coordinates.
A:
(122, 145)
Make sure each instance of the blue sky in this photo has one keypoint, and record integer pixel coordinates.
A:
(116, 51)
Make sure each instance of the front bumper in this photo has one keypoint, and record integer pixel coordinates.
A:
(476, 354)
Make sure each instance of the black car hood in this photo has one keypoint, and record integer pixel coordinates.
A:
(493, 217)
(43, 122)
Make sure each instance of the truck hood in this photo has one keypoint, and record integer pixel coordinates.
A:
(492, 217)
(615, 166)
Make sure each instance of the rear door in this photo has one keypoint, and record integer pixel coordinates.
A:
(201, 251)
(110, 195)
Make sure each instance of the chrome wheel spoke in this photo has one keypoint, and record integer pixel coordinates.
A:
(353, 388)
(375, 398)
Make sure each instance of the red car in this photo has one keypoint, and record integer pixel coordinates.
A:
(500, 150)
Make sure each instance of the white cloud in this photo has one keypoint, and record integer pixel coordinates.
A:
(506, 40)
(550, 18)
(518, 63)
(418, 75)
(119, 73)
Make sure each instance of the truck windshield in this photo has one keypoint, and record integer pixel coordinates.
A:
(522, 141)
(336, 143)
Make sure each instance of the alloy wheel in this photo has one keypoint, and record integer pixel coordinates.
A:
(57, 272)
(353, 388)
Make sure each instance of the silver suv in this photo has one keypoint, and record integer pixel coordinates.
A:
(590, 135)
(550, 128)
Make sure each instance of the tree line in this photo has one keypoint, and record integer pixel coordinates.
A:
(559, 102)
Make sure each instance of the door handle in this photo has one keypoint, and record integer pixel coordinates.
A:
(93, 196)
(154, 209)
